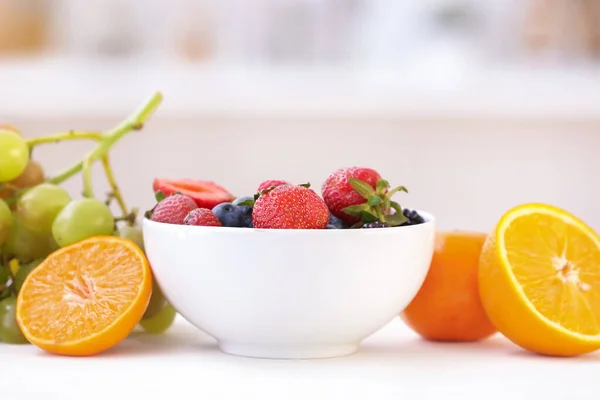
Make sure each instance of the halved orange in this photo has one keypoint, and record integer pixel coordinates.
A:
(539, 280)
(85, 298)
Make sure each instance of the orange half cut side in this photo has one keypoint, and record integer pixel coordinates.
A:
(85, 298)
(539, 280)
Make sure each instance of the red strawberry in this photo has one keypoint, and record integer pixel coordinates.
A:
(173, 209)
(290, 207)
(206, 194)
(202, 217)
(339, 194)
(270, 183)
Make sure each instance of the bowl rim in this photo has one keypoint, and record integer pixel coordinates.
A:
(430, 220)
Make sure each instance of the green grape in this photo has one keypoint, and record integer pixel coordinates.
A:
(157, 301)
(134, 234)
(27, 245)
(6, 221)
(9, 329)
(38, 207)
(82, 219)
(14, 155)
(161, 321)
(23, 271)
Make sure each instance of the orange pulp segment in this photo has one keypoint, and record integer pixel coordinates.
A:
(86, 297)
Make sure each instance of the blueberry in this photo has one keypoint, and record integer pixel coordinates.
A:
(247, 210)
(413, 217)
(247, 219)
(418, 219)
(335, 221)
(230, 215)
(331, 226)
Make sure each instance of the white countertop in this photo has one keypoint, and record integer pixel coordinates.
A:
(391, 364)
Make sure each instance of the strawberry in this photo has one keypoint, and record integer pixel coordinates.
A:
(206, 194)
(359, 195)
(172, 209)
(339, 194)
(270, 183)
(202, 217)
(290, 207)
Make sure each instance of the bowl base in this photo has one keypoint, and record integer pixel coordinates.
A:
(287, 351)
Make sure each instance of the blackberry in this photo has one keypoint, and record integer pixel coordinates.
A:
(413, 217)
(376, 224)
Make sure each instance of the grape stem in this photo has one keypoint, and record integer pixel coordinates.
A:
(105, 142)
(134, 122)
(60, 137)
(129, 218)
(88, 191)
(110, 177)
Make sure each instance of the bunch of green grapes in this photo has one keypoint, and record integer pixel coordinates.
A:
(38, 216)
(41, 216)
(17, 171)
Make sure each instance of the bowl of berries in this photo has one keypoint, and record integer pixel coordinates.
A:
(288, 273)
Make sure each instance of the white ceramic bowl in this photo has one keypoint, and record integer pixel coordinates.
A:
(289, 293)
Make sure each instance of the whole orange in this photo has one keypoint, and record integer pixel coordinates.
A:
(447, 306)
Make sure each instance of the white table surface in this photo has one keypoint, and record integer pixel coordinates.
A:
(392, 364)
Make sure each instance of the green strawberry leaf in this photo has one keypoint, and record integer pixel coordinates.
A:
(363, 188)
(267, 189)
(374, 200)
(381, 186)
(306, 185)
(368, 216)
(159, 196)
(395, 220)
(148, 214)
(247, 203)
(396, 207)
(258, 194)
(356, 210)
(398, 189)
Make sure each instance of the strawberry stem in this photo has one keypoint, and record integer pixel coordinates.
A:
(378, 203)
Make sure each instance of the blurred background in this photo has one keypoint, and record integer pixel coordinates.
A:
(474, 106)
(303, 32)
